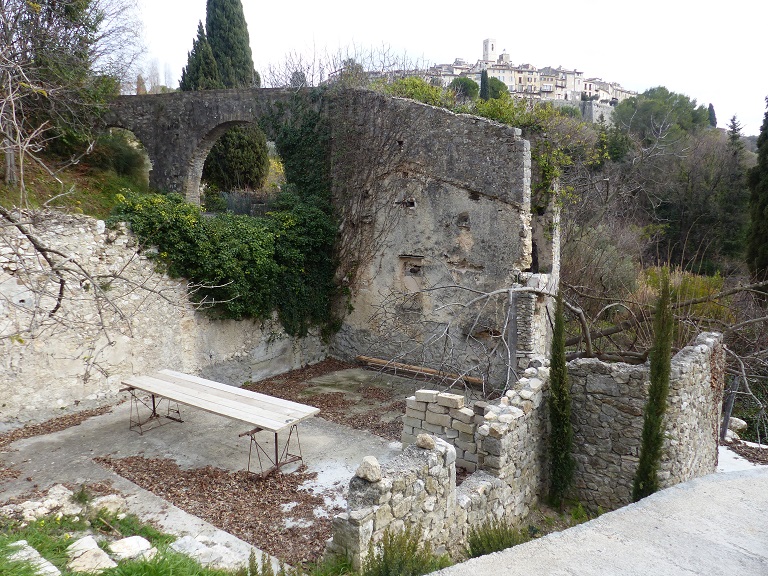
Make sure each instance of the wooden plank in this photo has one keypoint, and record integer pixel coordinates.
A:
(259, 401)
(418, 370)
(280, 405)
(213, 404)
(203, 398)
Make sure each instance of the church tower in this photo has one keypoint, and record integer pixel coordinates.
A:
(489, 50)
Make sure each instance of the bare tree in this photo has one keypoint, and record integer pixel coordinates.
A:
(58, 61)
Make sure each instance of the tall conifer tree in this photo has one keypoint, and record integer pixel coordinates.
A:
(646, 480)
(561, 434)
(201, 71)
(228, 36)
(221, 58)
(485, 92)
(757, 180)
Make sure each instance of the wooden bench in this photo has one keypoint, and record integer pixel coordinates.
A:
(260, 411)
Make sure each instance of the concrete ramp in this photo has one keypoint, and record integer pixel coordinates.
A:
(717, 524)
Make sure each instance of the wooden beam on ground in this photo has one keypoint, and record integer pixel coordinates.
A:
(418, 370)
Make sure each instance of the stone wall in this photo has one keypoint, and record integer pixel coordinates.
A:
(504, 443)
(127, 319)
(434, 207)
(608, 402)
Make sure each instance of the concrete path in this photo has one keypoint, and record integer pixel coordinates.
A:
(715, 525)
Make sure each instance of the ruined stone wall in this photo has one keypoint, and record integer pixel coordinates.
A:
(503, 443)
(608, 402)
(126, 320)
(434, 207)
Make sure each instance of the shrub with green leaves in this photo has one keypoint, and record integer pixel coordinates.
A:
(239, 266)
(492, 536)
(402, 554)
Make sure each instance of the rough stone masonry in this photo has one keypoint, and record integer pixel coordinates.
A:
(504, 445)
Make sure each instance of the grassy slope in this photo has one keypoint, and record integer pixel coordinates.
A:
(80, 189)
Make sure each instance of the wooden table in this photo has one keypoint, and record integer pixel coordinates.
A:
(260, 411)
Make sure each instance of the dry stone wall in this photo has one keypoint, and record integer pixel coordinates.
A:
(123, 318)
(503, 443)
(608, 402)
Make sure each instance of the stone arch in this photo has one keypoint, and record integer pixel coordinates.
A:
(194, 171)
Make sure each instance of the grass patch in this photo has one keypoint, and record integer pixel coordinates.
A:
(492, 536)
(401, 554)
(81, 189)
(167, 563)
(130, 525)
(51, 536)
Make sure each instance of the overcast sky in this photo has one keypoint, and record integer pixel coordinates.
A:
(712, 51)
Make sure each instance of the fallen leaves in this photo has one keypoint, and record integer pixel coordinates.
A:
(275, 513)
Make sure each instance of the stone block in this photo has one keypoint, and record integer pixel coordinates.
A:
(463, 427)
(466, 415)
(413, 422)
(369, 469)
(383, 517)
(479, 408)
(450, 400)
(433, 428)
(426, 442)
(414, 413)
(466, 446)
(411, 402)
(437, 408)
(426, 395)
(464, 437)
(439, 419)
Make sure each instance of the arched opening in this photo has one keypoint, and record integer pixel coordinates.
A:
(235, 169)
(120, 151)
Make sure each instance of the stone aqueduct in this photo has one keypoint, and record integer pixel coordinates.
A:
(179, 129)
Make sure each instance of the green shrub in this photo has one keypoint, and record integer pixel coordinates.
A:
(492, 536)
(419, 90)
(239, 266)
(119, 151)
(401, 554)
(213, 201)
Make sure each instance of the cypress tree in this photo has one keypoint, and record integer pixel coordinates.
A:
(646, 480)
(561, 434)
(485, 92)
(757, 180)
(228, 36)
(712, 116)
(238, 160)
(201, 71)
